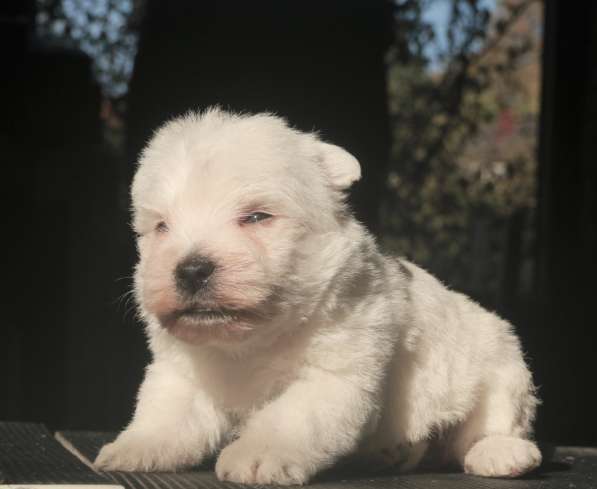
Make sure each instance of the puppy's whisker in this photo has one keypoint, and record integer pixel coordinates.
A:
(125, 277)
(126, 301)
(124, 298)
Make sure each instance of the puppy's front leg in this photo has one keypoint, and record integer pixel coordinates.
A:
(318, 419)
(174, 426)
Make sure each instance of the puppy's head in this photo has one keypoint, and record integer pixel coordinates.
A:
(225, 206)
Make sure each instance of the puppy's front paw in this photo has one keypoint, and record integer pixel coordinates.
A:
(259, 462)
(502, 456)
(133, 451)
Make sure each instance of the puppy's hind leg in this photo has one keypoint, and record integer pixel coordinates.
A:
(492, 441)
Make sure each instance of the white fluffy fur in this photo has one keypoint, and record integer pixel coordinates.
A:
(332, 349)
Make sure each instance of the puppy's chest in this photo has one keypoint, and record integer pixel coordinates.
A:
(243, 385)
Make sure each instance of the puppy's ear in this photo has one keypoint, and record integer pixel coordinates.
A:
(342, 168)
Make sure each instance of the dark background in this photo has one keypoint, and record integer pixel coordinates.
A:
(72, 354)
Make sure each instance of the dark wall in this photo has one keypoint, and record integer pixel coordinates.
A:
(67, 237)
(565, 332)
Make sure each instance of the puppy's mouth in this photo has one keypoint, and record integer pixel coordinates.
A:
(200, 316)
(196, 324)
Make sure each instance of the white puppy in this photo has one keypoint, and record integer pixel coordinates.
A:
(281, 336)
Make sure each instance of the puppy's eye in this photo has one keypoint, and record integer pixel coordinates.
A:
(161, 227)
(255, 217)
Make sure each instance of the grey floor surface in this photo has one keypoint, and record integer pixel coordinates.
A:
(30, 454)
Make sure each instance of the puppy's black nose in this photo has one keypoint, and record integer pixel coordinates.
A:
(192, 273)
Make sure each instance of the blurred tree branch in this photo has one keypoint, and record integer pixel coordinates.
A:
(443, 115)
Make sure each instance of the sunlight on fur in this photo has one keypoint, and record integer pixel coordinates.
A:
(283, 340)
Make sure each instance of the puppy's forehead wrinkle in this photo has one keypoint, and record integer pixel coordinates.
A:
(229, 204)
(248, 194)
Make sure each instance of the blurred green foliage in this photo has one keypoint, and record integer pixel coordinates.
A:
(461, 186)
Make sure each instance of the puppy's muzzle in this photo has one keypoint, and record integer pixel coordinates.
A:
(192, 274)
